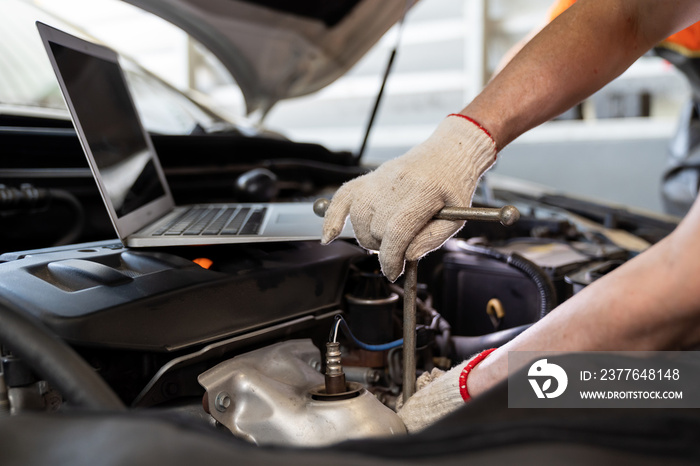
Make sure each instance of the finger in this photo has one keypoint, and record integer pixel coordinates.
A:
(362, 216)
(337, 213)
(399, 233)
(432, 237)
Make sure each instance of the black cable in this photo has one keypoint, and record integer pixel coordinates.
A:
(72, 235)
(21, 199)
(533, 271)
(341, 324)
(28, 198)
(55, 361)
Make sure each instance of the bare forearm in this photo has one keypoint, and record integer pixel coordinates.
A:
(583, 49)
(651, 302)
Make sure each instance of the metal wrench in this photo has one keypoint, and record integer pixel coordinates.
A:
(506, 215)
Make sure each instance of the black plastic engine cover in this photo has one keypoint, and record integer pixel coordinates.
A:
(104, 295)
(469, 282)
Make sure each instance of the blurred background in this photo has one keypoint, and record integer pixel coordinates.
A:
(611, 147)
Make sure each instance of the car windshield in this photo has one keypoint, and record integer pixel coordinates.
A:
(27, 81)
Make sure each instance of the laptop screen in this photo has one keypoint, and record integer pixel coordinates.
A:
(111, 127)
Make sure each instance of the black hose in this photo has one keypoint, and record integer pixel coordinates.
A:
(439, 324)
(542, 281)
(78, 223)
(27, 198)
(466, 347)
(444, 337)
(54, 361)
(533, 271)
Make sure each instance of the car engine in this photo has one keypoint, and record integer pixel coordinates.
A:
(294, 343)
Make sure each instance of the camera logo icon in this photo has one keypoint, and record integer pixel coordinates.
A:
(542, 373)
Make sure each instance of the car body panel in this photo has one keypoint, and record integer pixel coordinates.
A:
(275, 53)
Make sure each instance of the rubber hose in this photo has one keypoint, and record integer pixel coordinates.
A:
(542, 281)
(533, 271)
(444, 338)
(465, 347)
(78, 223)
(55, 361)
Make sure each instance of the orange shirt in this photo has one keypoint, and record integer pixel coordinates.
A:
(685, 42)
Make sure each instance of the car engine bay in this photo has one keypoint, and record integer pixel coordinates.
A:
(237, 336)
(287, 352)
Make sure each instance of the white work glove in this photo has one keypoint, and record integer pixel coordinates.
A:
(438, 393)
(391, 208)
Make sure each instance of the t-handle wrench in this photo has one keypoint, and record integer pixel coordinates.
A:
(506, 215)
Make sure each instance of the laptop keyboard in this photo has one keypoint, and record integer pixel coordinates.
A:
(215, 220)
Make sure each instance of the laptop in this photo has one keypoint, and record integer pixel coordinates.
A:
(127, 170)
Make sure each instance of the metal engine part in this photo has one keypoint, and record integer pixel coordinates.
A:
(268, 397)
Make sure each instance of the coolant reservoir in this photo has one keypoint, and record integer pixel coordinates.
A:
(274, 396)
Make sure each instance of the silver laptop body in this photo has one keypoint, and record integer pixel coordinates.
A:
(127, 170)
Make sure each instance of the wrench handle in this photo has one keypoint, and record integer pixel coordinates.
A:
(506, 215)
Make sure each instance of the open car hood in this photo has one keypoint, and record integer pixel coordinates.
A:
(276, 49)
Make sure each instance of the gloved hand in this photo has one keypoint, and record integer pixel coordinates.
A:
(391, 208)
(438, 393)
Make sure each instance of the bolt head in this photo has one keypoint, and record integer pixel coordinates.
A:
(222, 402)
